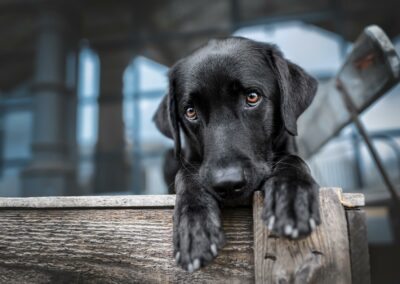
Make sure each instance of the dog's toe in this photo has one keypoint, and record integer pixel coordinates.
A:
(196, 264)
(271, 223)
(288, 230)
(177, 257)
(313, 225)
(214, 249)
(196, 245)
(291, 208)
(295, 234)
(190, 268)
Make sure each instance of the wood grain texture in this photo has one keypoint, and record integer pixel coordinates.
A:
(352, 200)
(113, 246)
(121, 201)
(348, 200)
(321, 258)
(126, 201)
(128, 239)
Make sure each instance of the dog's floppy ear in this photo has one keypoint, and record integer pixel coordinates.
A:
(297, 89)
(166, 116)
(161, 120)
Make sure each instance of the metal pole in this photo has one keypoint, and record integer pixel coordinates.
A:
(371, 148)
(357, 158)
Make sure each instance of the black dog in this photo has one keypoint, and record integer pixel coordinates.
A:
(236, 102)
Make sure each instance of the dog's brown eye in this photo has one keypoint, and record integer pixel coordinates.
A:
(252, 99)
(191, 113)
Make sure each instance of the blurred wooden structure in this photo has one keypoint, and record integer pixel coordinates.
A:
(371, 69)
(167, 30)
(127, 239)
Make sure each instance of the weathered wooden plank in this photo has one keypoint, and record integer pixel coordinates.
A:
(121, 201)
(321, 258)
(128, 239)
(352, 200)
(348, 200)
(359, 255)
(370, 70)
(127, 201)
(113, 246)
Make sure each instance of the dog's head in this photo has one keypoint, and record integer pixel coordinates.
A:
(233, 100)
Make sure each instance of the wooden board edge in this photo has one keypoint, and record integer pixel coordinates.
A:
(349, 200)
(258, 236)
(121, 201)
(265, 272)
(358, 242)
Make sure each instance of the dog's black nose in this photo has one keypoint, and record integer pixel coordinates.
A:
(228, 179)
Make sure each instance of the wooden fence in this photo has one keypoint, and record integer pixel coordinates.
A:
(128, 239)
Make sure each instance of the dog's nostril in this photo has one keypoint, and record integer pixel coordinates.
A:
(228, 179)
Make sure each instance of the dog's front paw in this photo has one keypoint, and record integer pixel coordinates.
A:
(291, 206)
(197, 238)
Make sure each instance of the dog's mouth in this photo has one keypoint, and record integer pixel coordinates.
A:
(235, 197)
(236, 193)
(233, 193)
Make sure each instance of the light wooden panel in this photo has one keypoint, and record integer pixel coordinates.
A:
(128, 239)
(113, 246)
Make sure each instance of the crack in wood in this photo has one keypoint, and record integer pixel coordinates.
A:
(270, 256)
(272, 236)
(316, 252)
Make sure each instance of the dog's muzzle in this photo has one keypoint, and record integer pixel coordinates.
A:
(228, 181)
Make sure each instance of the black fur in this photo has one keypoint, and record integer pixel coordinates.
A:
(232, 149)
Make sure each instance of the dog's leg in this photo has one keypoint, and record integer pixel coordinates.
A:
(198, 233)
(291, 206)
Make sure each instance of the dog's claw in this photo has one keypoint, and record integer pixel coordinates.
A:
(313, 225)
(271, 222)
(177, 257)
(197, 245)
(190, 268)
(288, 230)
(214, 250)
(196, 264)
(295, 233)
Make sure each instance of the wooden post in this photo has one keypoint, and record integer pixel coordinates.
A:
(370, 70)
(321, 258)
(128, 239)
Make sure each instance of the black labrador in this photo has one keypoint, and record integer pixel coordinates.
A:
(235, 102)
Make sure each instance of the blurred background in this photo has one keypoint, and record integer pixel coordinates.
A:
(80, 81)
